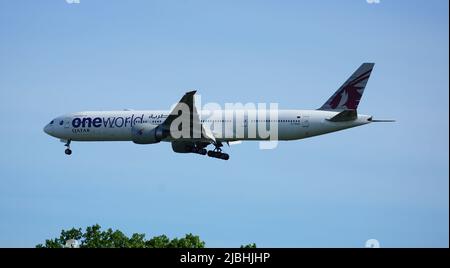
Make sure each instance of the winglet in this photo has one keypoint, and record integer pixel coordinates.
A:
(192, 92)
(196, 129)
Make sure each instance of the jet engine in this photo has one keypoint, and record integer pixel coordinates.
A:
(182, 147)
(188, 147)
(146, 133)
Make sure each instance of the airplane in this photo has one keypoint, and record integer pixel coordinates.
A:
(201, 128)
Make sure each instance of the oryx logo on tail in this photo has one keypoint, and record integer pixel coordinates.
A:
(347, 97)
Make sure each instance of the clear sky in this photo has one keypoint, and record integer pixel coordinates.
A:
(384, 181)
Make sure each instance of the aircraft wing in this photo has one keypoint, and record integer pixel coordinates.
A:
(183, 112)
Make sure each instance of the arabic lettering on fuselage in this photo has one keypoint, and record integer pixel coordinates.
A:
(115, 121)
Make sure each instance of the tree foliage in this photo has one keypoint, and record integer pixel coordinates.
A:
(94, 237)
(252, 245)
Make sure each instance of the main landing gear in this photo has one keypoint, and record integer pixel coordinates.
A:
(198, 150)
(68, 151)
(217, 152)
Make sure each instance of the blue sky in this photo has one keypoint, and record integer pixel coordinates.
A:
(384, 181)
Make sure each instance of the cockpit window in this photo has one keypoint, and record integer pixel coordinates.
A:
(51, 122)
(61, 122)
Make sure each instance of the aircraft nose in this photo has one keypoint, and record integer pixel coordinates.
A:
(47, 129)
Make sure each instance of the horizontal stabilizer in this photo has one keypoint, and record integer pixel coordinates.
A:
(381, 120)
(346, 115)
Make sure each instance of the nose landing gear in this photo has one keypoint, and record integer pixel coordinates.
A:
(68, 151)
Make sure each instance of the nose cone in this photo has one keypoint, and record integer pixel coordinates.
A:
(48, 130)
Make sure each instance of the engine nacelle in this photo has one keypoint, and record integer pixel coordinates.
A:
(182, 147)
(146, 133)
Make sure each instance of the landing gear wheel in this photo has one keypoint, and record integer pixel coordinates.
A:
(197, 150)
(218, 155)
(217, 152)
(68, 151)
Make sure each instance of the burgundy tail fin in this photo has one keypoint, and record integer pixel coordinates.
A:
(347, 97)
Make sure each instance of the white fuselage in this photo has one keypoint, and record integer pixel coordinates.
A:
(117, 125)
